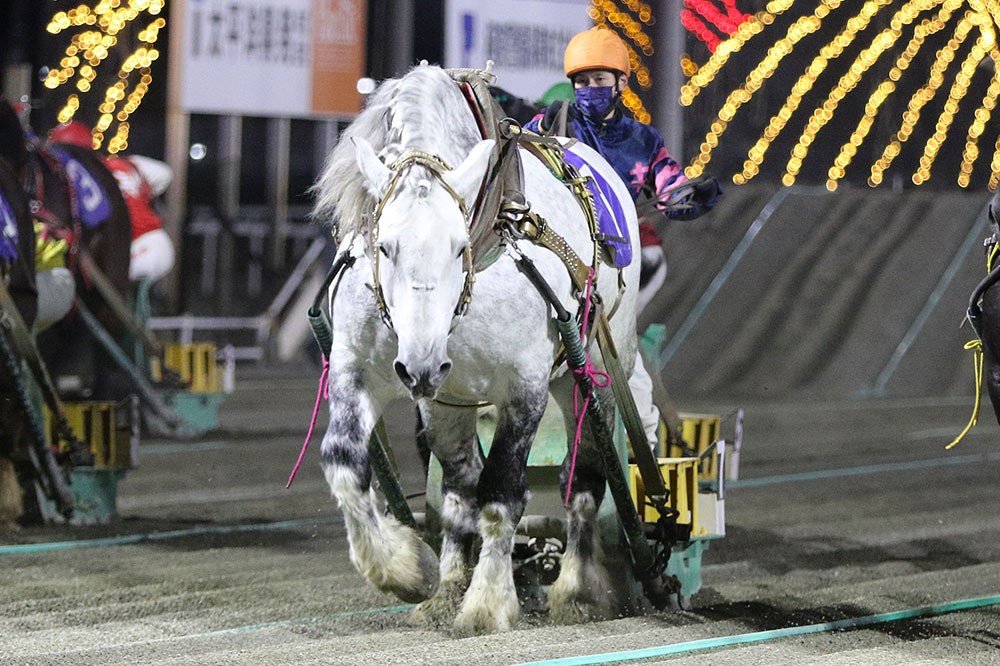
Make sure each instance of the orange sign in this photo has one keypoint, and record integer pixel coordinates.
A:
(271, 57)
(338, 55)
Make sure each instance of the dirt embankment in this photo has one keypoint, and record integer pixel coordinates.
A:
(798, 292)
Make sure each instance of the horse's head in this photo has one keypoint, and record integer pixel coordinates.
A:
(420, 251)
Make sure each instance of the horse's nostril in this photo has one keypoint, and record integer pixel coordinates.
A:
(444, 369)
(403, 375)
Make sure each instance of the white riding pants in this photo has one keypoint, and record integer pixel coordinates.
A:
(56, 292)
(152, 256)
(642, 390)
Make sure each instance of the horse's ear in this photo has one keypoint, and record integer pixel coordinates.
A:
(376, 175)
(469, 175)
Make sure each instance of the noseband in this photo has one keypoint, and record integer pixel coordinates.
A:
(437, 167)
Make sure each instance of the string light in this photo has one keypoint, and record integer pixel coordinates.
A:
(970, 28)
(709, 23)
(755, 79)
(101, 28)
(629, 20)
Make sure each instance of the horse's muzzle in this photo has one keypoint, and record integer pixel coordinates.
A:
(422, 383)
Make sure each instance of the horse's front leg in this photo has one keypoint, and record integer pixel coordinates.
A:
(490, 604)
(583, 590)
(450, 433)
(391, 556)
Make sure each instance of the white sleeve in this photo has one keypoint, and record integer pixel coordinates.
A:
(158, 174)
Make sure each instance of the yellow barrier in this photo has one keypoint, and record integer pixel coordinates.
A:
(681, 478)
(195, 363)
(700, 432)
(96, 426)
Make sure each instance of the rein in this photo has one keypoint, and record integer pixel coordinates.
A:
(437, 167)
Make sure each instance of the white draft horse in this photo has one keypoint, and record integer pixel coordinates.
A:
(406, 225)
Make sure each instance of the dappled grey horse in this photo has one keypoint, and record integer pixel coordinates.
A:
(411, 318)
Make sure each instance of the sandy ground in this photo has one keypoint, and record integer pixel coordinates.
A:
(844, 510)
(836, 330)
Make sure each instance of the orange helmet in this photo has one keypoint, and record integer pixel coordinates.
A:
(75, 133)
(597, 48)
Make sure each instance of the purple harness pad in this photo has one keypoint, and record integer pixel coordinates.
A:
(93, 207)
(8, 232)
(610, 215)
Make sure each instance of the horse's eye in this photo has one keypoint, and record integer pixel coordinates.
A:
(461, 251)
(385, 252)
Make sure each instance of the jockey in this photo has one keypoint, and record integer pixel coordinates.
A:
(141, 180)
(597, 64)
(55, 283)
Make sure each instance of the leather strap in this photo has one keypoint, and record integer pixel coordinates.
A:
(652, 477)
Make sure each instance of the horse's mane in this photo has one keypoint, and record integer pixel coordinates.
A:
(423, 109)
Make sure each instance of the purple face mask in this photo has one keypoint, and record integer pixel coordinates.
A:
(595, 101)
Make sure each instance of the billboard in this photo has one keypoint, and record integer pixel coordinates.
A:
(525, 39)
(271, 57)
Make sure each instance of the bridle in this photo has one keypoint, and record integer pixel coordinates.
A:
(437, 167)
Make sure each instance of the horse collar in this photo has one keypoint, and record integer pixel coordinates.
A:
(437, 167)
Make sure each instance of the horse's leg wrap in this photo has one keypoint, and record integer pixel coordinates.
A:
(452, 438)
(458, 517)
(490, 604)
(391, 556)
(583, 591)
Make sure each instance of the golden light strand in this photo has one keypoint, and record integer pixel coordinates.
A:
(746, 30)
(875, 101)
(982, 116)
(823, 113)
(995, 166)
(802, 27)
(831, 51)
(953, 68)
(919, 99)
(88, 49)
(638, 43)
(958, 91)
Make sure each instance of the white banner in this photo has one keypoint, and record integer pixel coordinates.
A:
(272, 57)
(525, 39)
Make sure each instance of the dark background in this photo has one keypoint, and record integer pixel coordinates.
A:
(23, 39)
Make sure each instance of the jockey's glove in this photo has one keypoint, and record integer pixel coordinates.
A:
(706, 190)
(552, 115)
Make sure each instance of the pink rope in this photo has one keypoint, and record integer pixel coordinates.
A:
(597, 378)
(323, 393)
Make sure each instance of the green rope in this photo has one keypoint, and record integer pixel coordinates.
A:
(762, 636)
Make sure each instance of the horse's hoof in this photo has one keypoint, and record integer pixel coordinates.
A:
(416, 583)
(567, 606)
(408, 569)
(578, 612)
(481, 620)
(480, 623)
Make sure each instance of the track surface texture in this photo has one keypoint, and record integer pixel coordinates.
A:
(836, 330)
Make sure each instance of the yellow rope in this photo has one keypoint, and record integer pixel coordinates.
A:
(977, 361)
